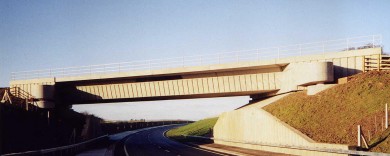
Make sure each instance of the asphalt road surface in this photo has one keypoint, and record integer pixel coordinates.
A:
(153, 142)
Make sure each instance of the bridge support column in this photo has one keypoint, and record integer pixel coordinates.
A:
(44, 94)
(26, 104)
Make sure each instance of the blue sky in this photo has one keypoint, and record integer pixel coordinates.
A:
(49, 34)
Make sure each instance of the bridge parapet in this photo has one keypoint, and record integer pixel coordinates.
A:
(254, 55)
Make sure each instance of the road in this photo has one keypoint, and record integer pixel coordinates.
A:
(153, 142)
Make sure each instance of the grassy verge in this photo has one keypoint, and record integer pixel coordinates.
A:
(332, 116)
(200, 128)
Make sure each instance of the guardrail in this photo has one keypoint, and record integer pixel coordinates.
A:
(20, 93)
(327, 150)
(63, 150)
(219, 58)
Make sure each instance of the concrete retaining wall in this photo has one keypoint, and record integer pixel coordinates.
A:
(314, 89)
(256, 125)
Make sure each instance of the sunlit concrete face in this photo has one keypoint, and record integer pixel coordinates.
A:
(235, 79)
(185, 87)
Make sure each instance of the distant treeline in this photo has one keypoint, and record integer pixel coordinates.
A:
(116, 127)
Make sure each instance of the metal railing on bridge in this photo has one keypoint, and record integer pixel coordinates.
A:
(19, 97)
(347, 44)
(20, 93)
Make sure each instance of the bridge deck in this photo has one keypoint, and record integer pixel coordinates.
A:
(233, 79)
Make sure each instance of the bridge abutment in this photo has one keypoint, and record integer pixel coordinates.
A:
(44, 95)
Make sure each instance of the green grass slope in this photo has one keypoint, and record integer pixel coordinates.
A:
(332, 116)
(200, 128)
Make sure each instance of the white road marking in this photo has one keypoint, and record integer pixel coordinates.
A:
(124, 148)
(136, 133)
(201, 149)
(140, 130)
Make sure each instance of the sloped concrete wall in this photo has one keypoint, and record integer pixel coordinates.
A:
(314, 89)
(256, 125)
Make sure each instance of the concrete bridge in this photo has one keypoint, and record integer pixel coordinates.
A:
(256, 73)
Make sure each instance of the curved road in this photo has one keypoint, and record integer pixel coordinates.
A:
(153, 142)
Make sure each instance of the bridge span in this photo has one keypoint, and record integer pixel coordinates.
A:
(254, 76)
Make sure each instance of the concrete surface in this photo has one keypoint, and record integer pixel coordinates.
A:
(314, 89)
(305, 74)
(252, 124)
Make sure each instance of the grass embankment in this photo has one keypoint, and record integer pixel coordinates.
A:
(332, 116)
(200, 128)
